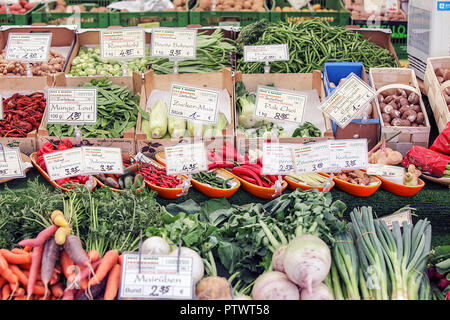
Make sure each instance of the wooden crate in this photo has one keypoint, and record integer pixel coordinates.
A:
(126, 143)
(152, 81)
(434, 90)
(409, 136)
(288, 81)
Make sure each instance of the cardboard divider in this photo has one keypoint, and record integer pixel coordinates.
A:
(409, 136)
(152, 81)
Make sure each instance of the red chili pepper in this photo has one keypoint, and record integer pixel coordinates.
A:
(265, 184)
(272, 178)
(254, 167)
(247, 178)
(83, 179)
(46, 148)
(249, 173)
(62, 147)
(215, 165)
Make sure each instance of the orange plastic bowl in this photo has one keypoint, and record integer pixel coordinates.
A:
(212, 192)
(257, 191)
(293, 185)
(357, 190)
(400, 189)
(161, 157)
(101, 184)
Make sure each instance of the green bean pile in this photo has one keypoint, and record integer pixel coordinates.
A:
(213, 54)
(212, 179)
(312, 43)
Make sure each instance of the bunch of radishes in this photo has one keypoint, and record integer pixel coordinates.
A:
(18, 8)
(439, 271)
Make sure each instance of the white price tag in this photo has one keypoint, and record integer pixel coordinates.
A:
(351, 154)
(102, 160)
(160, 277)
(125, 44)
(278, 104)
(381, 5)
(199, 104)
(72, 105)
(311, 157)
(174, 43)
(403, 216)
(266, 53)
(348, 100)
(277, 159)
(10, 164)
(385, 171)
(64, 164)
(28, 47)
(186, 158)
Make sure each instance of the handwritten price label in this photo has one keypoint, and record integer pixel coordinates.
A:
(280, 105)
(72, 105)
(403, 216)
(161, 277)
(311, 157)
(194, 103)
(277, 159)
(103, 160)
(28, 47)
(351, 154)
(64, 164)
(10, 164)
(348, 101)
(186, 158)
(125, 44)
(385, 171)
(266, 53)
(174, 43)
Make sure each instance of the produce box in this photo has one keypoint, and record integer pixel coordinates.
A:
(126, 143)
(288, 81)
(15, 18)
(201, 13)
(84, 13)
(389, 78)
(333, 72)
(435, 89)
(13, 85)
(331, 11)
(63, 41)
(152, 81)
(91, 39)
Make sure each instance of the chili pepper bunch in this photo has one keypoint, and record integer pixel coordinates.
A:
(157, 176)
(49, 147)
(226, 157)
(22, 114)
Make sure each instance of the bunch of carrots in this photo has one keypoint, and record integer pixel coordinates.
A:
(46, 270)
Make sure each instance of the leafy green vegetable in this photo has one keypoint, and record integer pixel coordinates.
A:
(307, 129)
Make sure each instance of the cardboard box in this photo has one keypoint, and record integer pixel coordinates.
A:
(289, 81)
(12, 85)
(434, 90)
(410, 136)
(126, 143)
(63, 38)
(152, 81)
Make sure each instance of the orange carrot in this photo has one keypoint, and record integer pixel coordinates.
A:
(108, 261)
(35, 264)
(15, 258)
(26, 266)
(93, 255)
(120, 259)
(28, 248)
(57, 290)
(11, 278)
(66, 264)
(19, 292)
(56, 276)
(84, 283)
(112, 286)
(3, 263)
(23, 279)
(2, 281)
(21, 298)
(39, 288)
(6, 292)
(19, 251)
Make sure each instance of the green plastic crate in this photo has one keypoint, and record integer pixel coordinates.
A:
(223, 18)
(150, 18)
(85, 19)
(340, 17)
(18, 19)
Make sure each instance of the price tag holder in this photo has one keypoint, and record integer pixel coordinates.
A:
(403, 216)
(311, 157)
(348, 154)
(64, 164)
(28, 47)
(73, 106)
(146, 277)
(186, 158)
(266, 53)
(102, 160)
(125, 43)
(348, 101)
(174, 43)
(277, 159)
(11, 164)
(280, 105)
(193, 103)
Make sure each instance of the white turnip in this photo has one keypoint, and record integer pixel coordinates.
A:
(242, 297)
(307, 261)
(274, 285)
(278, 258)
(155, 245)
(198, 269)
(319, 292)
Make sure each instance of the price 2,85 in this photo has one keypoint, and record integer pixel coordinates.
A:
(159, 291)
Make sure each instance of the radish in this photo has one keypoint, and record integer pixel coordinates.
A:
(307, 261)
(198, 268)
(155, 245)
(274, 285)
(320, 292)
(278, 257)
